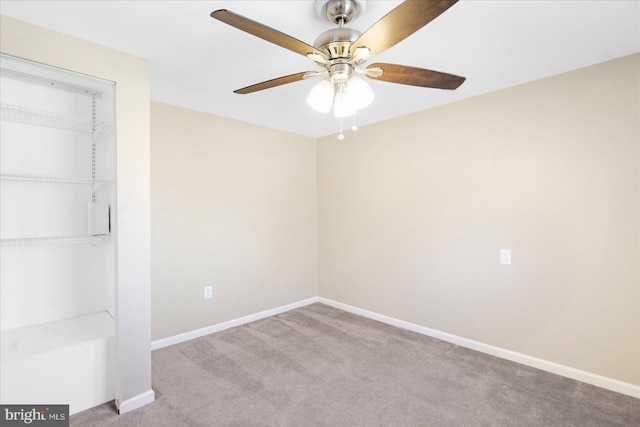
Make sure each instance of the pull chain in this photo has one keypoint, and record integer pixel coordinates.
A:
(341, 135)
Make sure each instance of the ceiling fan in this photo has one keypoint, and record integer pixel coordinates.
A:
(341, 51)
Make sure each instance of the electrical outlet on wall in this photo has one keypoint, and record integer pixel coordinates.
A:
(208, 292)
(505, 256)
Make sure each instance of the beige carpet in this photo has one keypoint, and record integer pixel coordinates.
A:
(319, 366)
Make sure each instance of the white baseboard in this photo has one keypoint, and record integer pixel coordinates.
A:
(545, 365)
(135, 402)
(176, 339)
(555, 368)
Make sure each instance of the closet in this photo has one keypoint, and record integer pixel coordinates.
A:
(57, 233)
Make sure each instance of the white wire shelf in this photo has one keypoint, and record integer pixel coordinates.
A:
(31, 116)
(53, 240)
(54, 179)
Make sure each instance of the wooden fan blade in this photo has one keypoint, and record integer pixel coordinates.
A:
(400, 23)
(272, 83)
(416, 76)
(266, 33)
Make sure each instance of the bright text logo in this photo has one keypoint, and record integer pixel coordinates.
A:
(35, 415)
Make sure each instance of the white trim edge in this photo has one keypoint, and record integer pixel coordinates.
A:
(135, 402)
(176, 339)
(545, 365)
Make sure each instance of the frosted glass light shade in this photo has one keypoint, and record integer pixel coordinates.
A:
(321, 96)
(343, 105)
(360, 93)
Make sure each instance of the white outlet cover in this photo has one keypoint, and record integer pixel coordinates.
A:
(208, 292)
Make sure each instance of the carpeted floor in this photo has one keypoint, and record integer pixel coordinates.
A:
(319, 366)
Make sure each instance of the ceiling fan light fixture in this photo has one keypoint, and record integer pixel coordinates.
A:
(321, 96)
(340, 73)
(360, 92)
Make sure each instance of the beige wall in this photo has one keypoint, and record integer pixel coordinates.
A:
(234, 207)
(413, 212)
(131, 75)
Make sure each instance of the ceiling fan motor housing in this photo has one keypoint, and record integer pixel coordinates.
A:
(336, 42)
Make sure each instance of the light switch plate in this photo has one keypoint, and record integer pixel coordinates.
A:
(505, 256)
(208, 292)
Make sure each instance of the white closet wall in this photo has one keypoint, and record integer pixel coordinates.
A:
(57, 273)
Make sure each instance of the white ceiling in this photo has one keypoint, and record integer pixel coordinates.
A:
(197, 62)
